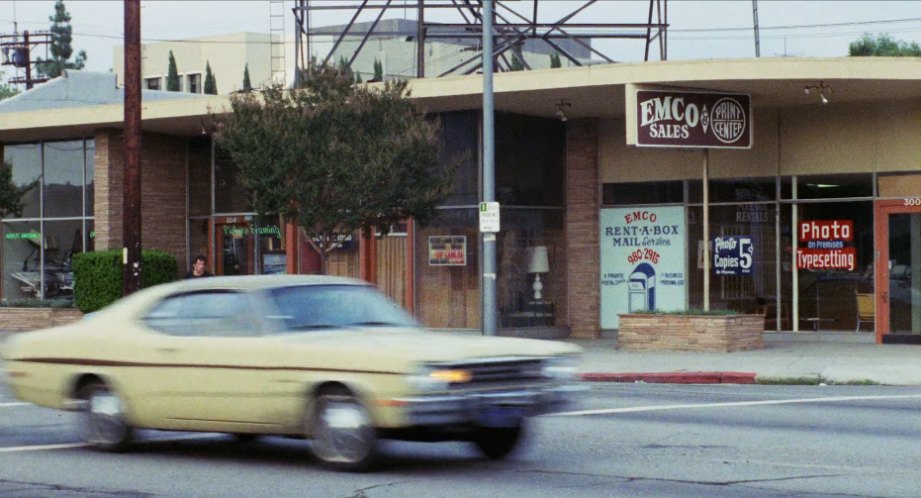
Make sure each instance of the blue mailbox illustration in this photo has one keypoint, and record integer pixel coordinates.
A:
(642, 288)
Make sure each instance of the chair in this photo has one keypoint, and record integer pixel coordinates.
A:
(768, 308)
(866, 309)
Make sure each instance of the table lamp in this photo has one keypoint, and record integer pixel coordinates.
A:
(538, 263)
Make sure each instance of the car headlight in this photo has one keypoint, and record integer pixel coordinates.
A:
(560, 368)
(438, 379)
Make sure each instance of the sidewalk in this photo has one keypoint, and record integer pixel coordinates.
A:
(833, 357)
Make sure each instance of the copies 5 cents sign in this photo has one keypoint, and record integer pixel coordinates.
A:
(693, 119)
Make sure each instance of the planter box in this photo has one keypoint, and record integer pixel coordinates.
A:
(721, 333)
(20, 319)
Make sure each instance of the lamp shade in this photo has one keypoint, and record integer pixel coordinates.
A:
(537, 260)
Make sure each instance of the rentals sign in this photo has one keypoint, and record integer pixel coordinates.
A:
(666, 118)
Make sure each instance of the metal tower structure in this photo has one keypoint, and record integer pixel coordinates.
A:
(277, 40)
(461, 20)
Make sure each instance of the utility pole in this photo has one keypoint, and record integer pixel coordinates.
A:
(131, 200)
(17, 52)
(757, 34)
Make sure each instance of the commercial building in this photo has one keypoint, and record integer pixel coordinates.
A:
(826, 200)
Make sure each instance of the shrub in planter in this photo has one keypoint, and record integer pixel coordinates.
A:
(98, 276)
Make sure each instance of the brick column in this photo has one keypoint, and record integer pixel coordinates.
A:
(582, 225)
(163, 193)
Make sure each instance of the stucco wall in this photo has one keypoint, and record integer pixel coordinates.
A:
(804, 140)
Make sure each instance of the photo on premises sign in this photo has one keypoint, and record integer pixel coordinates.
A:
(688, 119)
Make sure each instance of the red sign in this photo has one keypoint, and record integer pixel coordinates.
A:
(667, 118)
(823, 245)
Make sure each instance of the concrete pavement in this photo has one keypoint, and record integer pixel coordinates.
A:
(831, 357)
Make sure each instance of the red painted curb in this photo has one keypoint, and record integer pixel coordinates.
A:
(674, 377)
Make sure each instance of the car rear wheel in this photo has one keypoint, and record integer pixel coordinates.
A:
(498, 443)
(102, 418)
(344, 437)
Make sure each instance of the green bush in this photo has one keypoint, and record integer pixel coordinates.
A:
(98, 276)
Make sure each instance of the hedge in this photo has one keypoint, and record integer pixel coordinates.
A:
(98, 276)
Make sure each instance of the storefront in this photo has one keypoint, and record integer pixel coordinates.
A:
(823, 207)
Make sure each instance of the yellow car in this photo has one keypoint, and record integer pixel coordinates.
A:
(326, 358)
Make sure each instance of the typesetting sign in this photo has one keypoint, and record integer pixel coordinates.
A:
(643, 253)
(733, 255)
(823, 245)
(693, 119)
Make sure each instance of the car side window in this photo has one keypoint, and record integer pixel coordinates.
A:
(210, 313)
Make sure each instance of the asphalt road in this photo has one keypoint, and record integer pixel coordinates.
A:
(618, 440)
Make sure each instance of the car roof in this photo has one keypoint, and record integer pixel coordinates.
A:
(262, 281)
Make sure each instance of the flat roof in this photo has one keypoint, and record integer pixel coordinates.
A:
(592, 91)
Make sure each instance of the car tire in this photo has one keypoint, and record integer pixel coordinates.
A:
(498, 443)
(344, 437)
(102, 418)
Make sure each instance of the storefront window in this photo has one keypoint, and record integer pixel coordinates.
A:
(89, 176)
(834, 186)
(529, 161)
(200, 177)
(38, 249)
(531, 286)
(459, 143)
(63, 179)
(22, 255)
(834, 261)
(229, 195)
(630, 194)
(734, 190)
(26, 162)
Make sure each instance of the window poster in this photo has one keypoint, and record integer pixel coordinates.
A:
(643, 253)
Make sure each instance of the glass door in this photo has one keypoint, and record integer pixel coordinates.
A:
(234, 248)
(898, 271)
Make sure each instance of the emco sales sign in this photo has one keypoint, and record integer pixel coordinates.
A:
(683, 119)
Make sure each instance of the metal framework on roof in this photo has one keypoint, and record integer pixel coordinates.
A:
(462, 19)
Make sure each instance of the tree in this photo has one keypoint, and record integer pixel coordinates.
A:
(10, 193)
(335, 157)
(61, 48)
(516, 64)
(247, 86)
(210, 80)
(884, 46)
(6, 91)
(555, 60)
(172, 74)
(378, 70)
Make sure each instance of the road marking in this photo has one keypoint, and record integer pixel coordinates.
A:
(10, 405)
(44, 447)
(637, 409)
(67, 446)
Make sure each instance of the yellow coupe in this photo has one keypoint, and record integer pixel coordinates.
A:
(326, 358)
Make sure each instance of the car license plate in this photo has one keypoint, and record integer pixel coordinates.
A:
(501, 416)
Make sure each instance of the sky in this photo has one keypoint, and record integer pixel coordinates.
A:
(698, 29)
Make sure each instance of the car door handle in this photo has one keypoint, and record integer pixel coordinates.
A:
(168, 350)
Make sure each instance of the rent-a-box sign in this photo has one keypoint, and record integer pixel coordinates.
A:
(666, 118)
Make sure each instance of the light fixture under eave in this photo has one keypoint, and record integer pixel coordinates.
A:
(560, 107)
(823, 90)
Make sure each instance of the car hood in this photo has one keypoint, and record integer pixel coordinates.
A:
(399, 349)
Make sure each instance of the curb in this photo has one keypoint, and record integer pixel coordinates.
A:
(674, 377)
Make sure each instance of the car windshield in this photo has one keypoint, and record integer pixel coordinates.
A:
(319, 307)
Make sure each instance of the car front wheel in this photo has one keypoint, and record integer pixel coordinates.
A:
(102, 418)
(344, 437)
(498, 443)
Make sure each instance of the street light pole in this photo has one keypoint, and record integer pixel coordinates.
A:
(489, 187)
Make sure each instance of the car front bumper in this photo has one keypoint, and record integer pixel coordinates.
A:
(491, 408)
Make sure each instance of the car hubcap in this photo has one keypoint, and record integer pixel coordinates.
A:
(344, 432)
(103, 418)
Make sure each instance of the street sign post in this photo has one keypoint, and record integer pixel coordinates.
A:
(489, 217)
